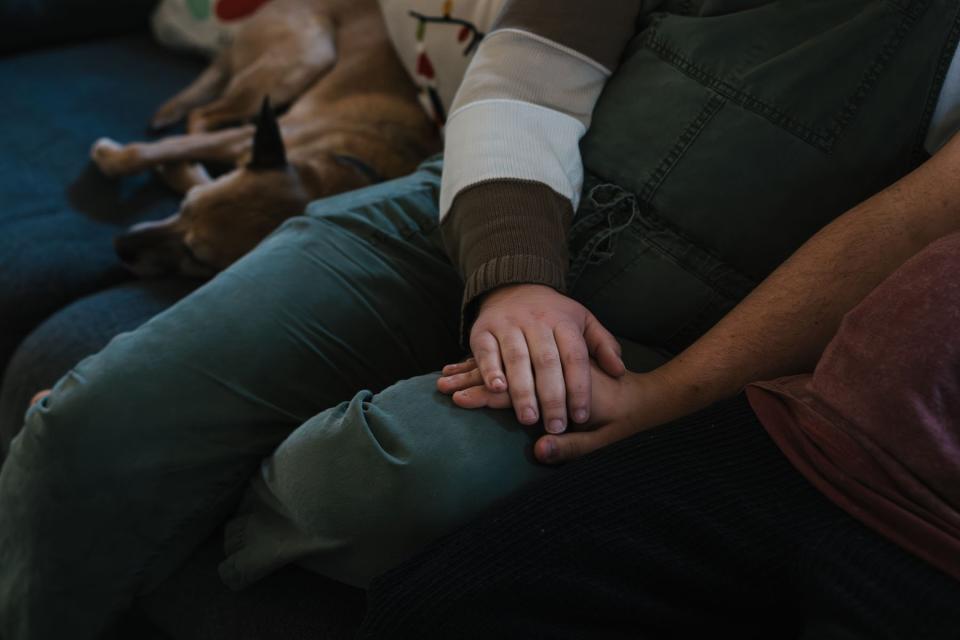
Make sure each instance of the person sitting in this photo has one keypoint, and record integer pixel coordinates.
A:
(292, 395)
(818, 505)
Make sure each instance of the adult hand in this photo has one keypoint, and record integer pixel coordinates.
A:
(536, 344)
(621, 405)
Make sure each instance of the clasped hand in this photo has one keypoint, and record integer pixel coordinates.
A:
(546, 356)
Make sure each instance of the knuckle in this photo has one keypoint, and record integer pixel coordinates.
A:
(569, 328)
(576, 357)
(548, 358)
(522, 396)
(579, 400)
(479, 347)
(515, 355)
(553, 405)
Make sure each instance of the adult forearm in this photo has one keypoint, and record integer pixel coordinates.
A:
(783, 326)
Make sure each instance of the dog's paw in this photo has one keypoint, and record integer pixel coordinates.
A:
(107, 154)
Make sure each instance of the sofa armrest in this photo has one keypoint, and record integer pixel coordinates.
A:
(25, 24)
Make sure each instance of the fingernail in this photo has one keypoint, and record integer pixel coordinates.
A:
(497, 383)
(580, 415)
(555, 426)
(529, 415)
(551, 451)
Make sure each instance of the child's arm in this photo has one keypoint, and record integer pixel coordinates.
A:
(511, 179)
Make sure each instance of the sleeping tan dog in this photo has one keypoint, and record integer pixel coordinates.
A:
(354, 119)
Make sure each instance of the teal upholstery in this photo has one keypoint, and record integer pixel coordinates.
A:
(58, 214)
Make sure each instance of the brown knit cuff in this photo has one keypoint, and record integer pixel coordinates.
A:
(506, 231)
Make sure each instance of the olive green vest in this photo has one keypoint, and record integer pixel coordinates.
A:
(738, 128)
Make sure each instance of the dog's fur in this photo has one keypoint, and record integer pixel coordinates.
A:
(354, 118)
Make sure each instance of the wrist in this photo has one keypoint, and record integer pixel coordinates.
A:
(511, 290)
(656, 398)
(692, 388)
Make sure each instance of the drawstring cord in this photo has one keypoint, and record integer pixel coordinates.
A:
(608, 201)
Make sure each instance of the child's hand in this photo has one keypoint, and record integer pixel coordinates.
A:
(535, 344)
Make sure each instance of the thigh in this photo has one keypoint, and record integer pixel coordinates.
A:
(698, 528)
(356, 294)
(361, 487)
(75, 332)
(144, 447)
(857, 584)
(681, 531)
(352, 296)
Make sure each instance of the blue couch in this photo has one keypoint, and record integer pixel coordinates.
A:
(62, 293)
(71, 72)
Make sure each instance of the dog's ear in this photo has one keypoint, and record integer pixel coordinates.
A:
(268, 151)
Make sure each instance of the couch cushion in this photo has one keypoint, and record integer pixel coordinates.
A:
(57, 213)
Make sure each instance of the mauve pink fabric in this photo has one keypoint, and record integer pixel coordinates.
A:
(876, 427)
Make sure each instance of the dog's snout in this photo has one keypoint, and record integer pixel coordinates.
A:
(151, 248)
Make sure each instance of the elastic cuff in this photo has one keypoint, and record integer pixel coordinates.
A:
(506, 231)
(501, 271)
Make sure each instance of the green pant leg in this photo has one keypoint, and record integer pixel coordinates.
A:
(144, 448)
(363, 486)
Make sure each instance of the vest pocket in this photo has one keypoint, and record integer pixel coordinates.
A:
(806, 66)
(643, 281)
